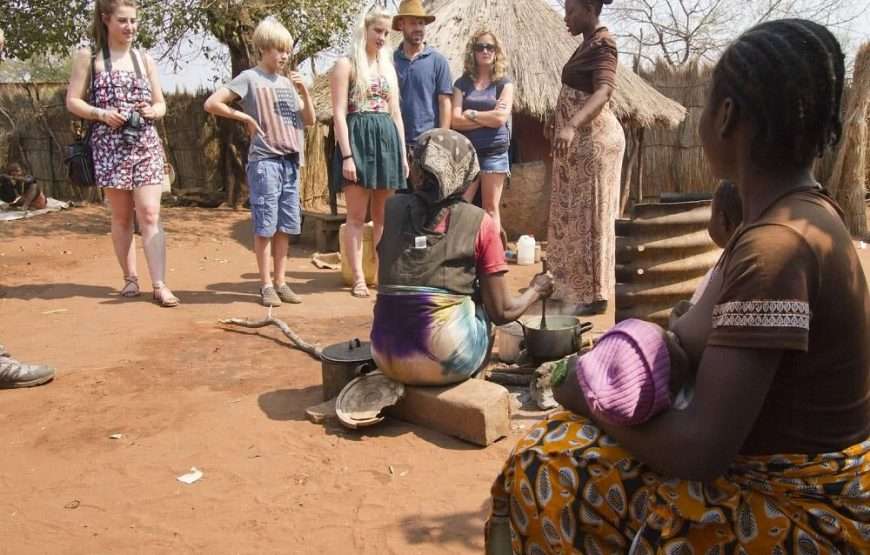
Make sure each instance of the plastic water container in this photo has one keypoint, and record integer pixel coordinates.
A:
(526, 250)
(370, 266)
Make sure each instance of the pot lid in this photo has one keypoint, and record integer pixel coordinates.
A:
(348, 351)
(361, 401)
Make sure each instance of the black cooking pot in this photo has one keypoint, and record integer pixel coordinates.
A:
(562, 337)
(342, 362)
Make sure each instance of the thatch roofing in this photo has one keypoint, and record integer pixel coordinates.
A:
(538, 45)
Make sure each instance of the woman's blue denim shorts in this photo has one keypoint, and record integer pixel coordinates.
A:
(495, 163)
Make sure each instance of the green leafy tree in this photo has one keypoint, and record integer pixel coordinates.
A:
(51, 27)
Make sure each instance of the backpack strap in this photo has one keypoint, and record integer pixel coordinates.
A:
(107, 58)
(93, 75)
(499, 87)
(87, 123)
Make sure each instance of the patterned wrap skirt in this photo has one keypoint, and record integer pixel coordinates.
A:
(584, 205)
(377, 153)
(429, 336)
(567, 488)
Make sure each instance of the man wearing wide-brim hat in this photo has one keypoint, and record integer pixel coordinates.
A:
(425, 83)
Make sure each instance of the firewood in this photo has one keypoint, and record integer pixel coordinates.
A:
(294, 338)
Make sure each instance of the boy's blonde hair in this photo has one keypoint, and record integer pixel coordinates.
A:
(271, 34)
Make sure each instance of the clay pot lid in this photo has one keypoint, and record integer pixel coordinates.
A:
(361, 401)
(348, 351)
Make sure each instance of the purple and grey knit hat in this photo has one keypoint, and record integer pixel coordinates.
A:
(626, 376)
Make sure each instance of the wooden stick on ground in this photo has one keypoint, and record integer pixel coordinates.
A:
(507, 378)
(297, 341)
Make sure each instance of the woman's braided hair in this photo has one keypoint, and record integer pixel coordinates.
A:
(786, 77)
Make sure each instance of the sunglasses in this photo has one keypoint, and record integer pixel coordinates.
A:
(483, 47)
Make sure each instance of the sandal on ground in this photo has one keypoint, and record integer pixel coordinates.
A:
(360, 290)
(131, 287)
(164, 297)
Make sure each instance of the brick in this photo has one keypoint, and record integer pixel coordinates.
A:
(474, 410)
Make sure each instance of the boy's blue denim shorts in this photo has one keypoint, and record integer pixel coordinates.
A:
(495, 163)
(274, 187)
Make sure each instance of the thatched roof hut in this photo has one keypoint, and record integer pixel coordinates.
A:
(538, 45)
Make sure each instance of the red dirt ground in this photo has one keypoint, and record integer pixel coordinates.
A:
(184, 392)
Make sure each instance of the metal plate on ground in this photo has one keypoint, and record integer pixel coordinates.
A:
(361, 401)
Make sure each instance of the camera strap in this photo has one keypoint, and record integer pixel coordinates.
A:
(107, 61)
(135, 55)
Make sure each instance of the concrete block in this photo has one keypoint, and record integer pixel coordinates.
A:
(324, 228)
(474, 410)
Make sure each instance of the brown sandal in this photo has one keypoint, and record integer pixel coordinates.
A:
(164, 297)
(131, 287)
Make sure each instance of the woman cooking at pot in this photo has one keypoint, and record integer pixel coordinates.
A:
(438, 259)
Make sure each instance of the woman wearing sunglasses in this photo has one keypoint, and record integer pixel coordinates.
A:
(482, 100)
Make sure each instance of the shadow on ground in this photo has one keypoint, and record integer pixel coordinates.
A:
(109, 295)
(460, 528)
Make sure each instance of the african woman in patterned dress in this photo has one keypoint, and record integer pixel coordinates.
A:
(772, 453)
(128, 158)
(587, 163)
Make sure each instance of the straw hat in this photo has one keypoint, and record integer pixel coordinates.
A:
(411, 8)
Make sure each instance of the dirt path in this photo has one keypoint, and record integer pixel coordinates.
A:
(184, 392)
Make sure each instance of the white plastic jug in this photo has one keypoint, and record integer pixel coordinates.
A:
(526, 250)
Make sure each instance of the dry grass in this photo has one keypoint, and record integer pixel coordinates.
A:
(673, 158)
(35, 128)
(314, 189)
(848, 181)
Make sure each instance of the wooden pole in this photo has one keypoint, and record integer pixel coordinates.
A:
(628, 172)
(638, 195)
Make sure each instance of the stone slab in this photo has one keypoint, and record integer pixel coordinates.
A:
(476, 411)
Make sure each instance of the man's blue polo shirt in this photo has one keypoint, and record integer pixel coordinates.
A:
(421, 81)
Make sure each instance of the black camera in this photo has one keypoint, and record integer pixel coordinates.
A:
(131, 129)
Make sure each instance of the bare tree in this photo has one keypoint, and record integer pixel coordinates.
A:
(685, 31)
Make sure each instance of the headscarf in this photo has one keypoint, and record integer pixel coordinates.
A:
(444, 165)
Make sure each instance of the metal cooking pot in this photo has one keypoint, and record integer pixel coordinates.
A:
(342, 362)
(509, 341)
(562, 337)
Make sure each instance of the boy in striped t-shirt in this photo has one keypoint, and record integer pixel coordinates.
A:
(276, 111)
